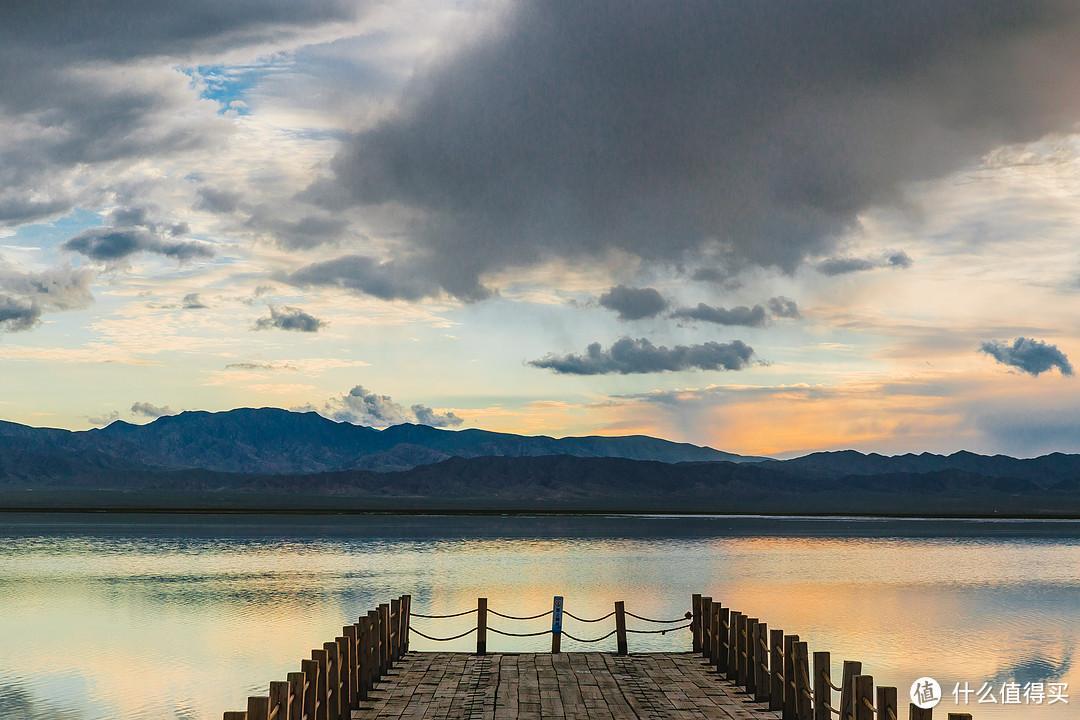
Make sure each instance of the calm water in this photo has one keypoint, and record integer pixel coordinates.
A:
(183, 617)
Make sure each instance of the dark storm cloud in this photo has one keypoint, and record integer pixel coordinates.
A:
(62, 77)
(427, 416)
(1029, 355)
(289, 318)
(307, 232)
(783, 307)
(741, 315)
(898, 260)
(655, 127)
(217, 201)
(628, 356)
(634, 303)
(151, 411)
(111, 244)
(386, 280)
(127, 29)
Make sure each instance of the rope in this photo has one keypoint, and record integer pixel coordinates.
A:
(438, 639)
(589, 641)
(764, 647)
(514, 617)
(677, 620)
(870, 705)
(828, 681)
(891, 713)
(570, 614)
(661, 632)
(831, 709)
(441, 617)
(510, 634)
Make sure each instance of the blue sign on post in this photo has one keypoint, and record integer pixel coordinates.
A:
(556, 616)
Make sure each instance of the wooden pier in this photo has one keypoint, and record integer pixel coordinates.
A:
(737, 669)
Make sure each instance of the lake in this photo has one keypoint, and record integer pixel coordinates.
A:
(177, 616)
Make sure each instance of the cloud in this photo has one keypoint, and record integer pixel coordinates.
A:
(385, 280)
(260, 366)
(151, 411)
(741, 315)
(24, 296)
(842, 265)
(289, 318)
(363, 407)
(655, 129)
(191, 301)
(634, 303)
(783, 307)
(112, 244)
(1029, 355)
(18, 314)
(426, 416)
(105, 419)
(628, 356)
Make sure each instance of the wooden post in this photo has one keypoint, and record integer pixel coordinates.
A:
(279, 698)
(847, 692)
(395, 629)
(790, 710)
(333, 681)
(706, 637)
(347, 674)
(762, 686)
(375, 628)
(363, 663)
(864, 697)
(802, 682)
(236, 715)
(321, 704)
(620, 628)
(310, 668)
(917, 713)
(695, 622)
(384, 638)
(406, 622)
(258, 708)
(776, 670)
(740, 651)
(733, 645)
(822, 691)
(296, 695)
(481, 626)
(886, 703)
(723, 631)
(959, 716)
(715, 632)
(556, 623)
(352, 637)
(751, 680)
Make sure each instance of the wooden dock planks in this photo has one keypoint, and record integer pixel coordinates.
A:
(564, 686)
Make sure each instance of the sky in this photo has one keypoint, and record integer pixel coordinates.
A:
(770, 227)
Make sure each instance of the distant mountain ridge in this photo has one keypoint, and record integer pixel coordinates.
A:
(274, 441)
(263, 457)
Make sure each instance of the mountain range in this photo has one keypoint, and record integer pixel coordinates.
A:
(271, 458)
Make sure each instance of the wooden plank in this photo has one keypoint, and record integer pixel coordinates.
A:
(863, 697)
(620, 628)
(886, 703)
(776, 669)
(847, 691)
(695, 622)
(820, 683)
(481, 626)
(789, 711)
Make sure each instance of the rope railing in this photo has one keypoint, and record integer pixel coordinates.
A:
(567, 613)
(470, 631)
(605, 637)
(557, 614)
(443, 617)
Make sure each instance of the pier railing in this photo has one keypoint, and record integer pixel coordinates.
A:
(557, 630)
(342, 673)
(775, 669)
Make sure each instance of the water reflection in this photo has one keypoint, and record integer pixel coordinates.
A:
(184, 616)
